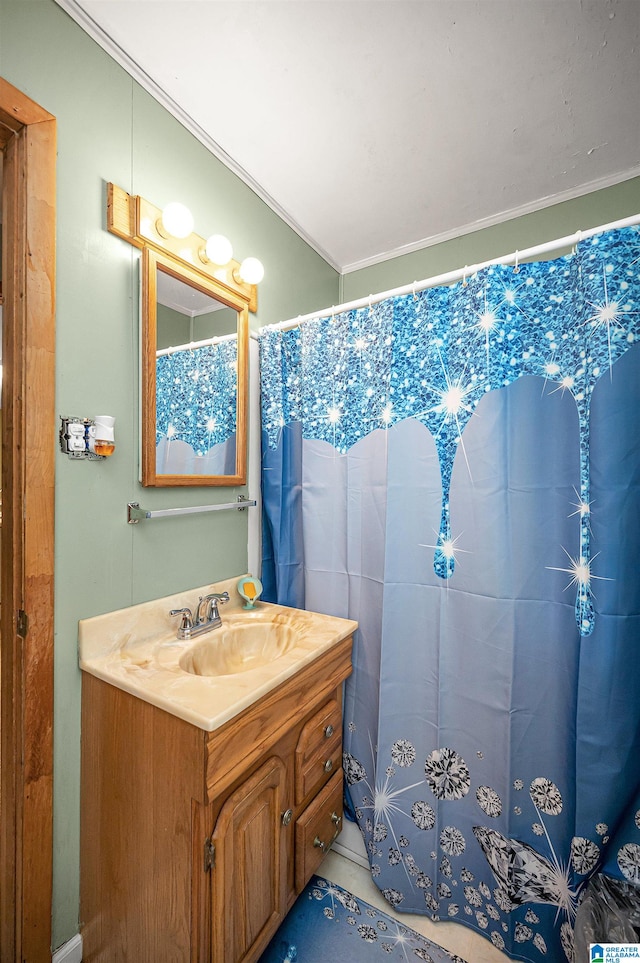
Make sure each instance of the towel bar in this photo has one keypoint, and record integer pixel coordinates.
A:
(136, 514)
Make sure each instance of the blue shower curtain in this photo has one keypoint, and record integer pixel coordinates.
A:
(459, 470)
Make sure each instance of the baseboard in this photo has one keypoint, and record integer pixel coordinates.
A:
(71, 952)
(350, 844)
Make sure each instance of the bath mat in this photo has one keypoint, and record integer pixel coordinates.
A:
(327, 923)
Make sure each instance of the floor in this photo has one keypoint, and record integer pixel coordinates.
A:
(453, 937)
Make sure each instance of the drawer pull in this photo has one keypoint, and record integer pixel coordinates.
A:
(329, 730)
(287, 817)
(336, 820)
(328, 766)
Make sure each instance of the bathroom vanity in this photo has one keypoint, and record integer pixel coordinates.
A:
(208, 801)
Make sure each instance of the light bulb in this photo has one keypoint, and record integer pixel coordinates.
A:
(218, 249)
(177, 220)
(251, 270)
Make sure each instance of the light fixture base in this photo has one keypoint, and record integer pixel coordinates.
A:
(134, 219)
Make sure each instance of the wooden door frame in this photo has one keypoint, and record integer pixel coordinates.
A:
(28, 139)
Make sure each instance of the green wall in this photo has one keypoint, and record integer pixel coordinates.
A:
(109, 129)
(174, 328)
(559, 220)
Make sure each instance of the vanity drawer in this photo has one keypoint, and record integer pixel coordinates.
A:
(316, 829)
(319, 750)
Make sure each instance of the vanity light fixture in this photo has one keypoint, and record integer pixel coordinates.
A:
(136, 220)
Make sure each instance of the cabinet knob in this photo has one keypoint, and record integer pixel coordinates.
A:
(329, 730)
(328, 766)
(335, 819)
(319, 844)
(287, 817)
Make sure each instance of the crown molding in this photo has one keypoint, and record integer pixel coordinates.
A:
(496, 219)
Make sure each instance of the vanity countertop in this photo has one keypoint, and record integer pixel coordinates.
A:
(136, 649)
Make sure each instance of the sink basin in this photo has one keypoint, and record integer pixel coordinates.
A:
(238, 648)
(207, 681)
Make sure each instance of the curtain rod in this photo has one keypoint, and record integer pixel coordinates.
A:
(216, 339)
(451, 276)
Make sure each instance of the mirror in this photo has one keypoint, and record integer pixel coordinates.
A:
(195, 339)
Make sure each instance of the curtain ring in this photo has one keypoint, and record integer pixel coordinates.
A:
(370, 304)
(414, 291)
(464, 276)
(516, 268)
(577, 241)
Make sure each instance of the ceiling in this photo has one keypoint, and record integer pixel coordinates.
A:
(376, 127)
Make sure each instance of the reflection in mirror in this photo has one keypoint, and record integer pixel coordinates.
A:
(196, 381)
(194, 378)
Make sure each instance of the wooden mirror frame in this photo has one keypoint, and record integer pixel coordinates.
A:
(152, 261)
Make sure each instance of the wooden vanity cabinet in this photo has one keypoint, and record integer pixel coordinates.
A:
(194, 845)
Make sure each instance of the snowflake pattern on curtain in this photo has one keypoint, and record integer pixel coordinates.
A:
(433, 355)
(522, 874)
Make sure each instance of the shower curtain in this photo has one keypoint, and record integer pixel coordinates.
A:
(459, 470)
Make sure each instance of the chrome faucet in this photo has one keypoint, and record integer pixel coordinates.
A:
(207, 616)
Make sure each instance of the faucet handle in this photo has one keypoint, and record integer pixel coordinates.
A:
(217, 598)
(186, 622)
(212, 601)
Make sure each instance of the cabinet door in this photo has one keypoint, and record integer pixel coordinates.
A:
(249, 879)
